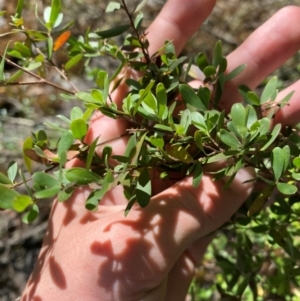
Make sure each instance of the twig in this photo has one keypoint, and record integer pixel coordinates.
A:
(40, 79)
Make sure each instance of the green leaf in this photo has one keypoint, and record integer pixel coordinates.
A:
(296, 162)
(190, 97)
(218, 54)
(64, 194)
(47, 193)
(91, 153)
(275, 132)
(79, 128)
(269, 90)
(106, 34)
(11, 171)
(287, 189)
(19, 8)
(157, 142)
(138, 20)
(260, 201)
(238, 115)
(81, 176)
(235, 72)
(202, 61)
(2, 64)
(179, 153)
(76, 113)
(131, 147)
(7, 197)
(65, 142)
(197, 174)
(209, 71)
(73, 61)
(21, 202)
(278, 162)
(55, 12)
(286, 151)
(140, 6)
(229, 138)
(143, 188)
(112, 6)
(4, 179)
(28, 144)
(161, 96)
(45, 180)
(31, 215)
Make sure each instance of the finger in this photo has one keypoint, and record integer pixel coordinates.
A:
(177, 22)
(184, 270)
(263, 51)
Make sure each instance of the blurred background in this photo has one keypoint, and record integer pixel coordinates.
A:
(25, 109)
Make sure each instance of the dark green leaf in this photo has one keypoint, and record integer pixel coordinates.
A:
(106, 34)
(197, 174)
(260, 201)
(143, 188)
(209, 71)
(19, 8)
(202, 61)
(190, 97)
(81, 176)
(161, 96)
(31, 215)
(91, 153)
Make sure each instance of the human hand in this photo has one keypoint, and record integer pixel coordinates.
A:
(151, 254)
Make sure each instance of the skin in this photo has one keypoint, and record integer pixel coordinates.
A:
(151, 254)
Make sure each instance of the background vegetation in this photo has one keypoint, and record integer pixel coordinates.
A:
(25, 109)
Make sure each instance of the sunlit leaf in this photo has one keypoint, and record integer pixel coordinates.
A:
(78, 128)
(21, 202)
(112, 6)
(287, 189)
(7, 197)
(269, 90)
(12, 171)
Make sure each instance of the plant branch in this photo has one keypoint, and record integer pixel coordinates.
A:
(40, 79)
